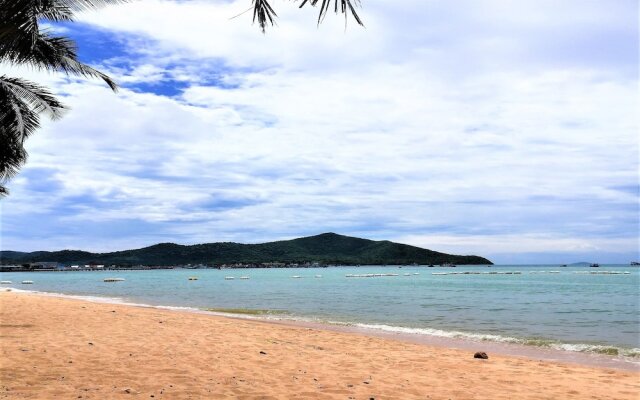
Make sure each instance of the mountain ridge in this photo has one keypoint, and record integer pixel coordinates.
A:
(325, 248)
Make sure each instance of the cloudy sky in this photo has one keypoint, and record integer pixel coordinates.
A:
(506, 129)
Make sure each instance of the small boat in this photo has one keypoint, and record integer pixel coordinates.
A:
(193, 278)
(27, 282)
(5, 282)
(113, 279)
(594, 265)
(244, 277)
(229, 278)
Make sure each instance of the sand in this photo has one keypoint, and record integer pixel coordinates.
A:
(71, 349)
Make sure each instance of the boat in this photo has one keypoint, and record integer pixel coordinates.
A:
(113, 279)
(594, 265)
(193, 278)
(5, 282)
(27, 282)
(229, 278)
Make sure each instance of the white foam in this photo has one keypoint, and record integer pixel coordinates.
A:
(439, 332)
(630, 355)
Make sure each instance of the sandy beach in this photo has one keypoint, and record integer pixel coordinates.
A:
(66, 348)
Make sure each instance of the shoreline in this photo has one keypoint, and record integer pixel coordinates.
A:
(55, 347)
(509, 349)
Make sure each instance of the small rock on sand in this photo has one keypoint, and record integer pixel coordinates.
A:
(481, 354)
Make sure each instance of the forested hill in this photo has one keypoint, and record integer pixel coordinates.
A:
(327, 248)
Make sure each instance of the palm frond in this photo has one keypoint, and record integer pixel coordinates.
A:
(339, 6)
(83, 5)
(39, 98)
(21, 41)
(55, 53)
(16, 122)
(263, 12)
(21, 104)
(13, 157)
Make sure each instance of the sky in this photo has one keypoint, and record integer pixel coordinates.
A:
(506, 129)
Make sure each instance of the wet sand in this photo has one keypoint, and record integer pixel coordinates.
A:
(67, 348)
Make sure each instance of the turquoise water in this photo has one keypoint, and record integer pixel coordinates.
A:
(571, 310)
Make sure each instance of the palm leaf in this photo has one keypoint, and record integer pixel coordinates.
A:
(263, 12)
(21, 103)
(53, 53)
(343, 6)
(37, 97)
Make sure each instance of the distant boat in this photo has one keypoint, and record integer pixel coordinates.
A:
(27, 282)
(113, 279)
(594, 265)
(193, 278)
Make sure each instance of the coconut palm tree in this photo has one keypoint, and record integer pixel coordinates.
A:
(22, 42)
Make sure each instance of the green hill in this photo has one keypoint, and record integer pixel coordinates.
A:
(327, 248)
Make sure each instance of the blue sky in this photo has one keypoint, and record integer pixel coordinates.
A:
(504, 129)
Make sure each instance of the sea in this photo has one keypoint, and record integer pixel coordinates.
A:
(575, 309)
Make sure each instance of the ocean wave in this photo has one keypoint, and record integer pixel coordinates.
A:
(633, 354)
